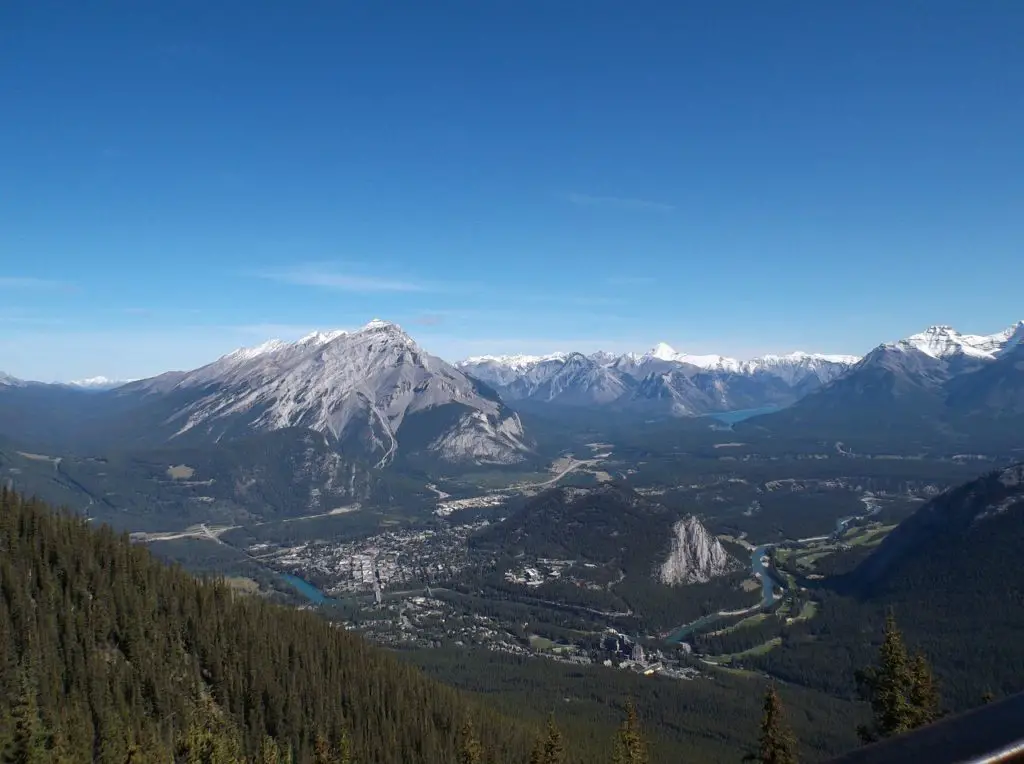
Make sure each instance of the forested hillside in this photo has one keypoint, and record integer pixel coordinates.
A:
(951, 574)
(104, 651)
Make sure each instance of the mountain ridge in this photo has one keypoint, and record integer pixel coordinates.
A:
(351, 386)
(938, 380)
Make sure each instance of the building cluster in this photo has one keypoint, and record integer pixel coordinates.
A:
(538, 572)
(627, 654)
(446, 508)
(388, 560)
(546, 570)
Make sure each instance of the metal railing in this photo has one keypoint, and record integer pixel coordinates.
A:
(990, 734)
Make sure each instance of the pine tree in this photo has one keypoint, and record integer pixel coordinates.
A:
(554, 748)
(777, 744)
(549, 749)
(470, 751)
(345, 747)
(209, 739)
(270, 752)
(924, 692)
(902, 691)
(29, 742)
(630, 746)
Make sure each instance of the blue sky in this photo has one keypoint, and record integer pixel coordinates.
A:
(180, 178)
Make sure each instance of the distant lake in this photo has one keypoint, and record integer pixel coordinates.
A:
(732, 417)
(305, 588)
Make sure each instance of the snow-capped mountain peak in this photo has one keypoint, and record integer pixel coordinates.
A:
(663, 352)
(942, 342)
(379, 323)
(1008, 339)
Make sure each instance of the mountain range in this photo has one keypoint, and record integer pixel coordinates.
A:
(660, 381)
(939, 379)
(374, 395)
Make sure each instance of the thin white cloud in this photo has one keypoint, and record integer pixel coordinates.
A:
(620, 202)
(330, 277)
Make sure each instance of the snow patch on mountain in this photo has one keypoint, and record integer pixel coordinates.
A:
(501, 370)
(98, 383)
(696, 555)
(518, 362)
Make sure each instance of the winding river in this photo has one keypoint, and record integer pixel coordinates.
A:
(768, 598)
(761, 571)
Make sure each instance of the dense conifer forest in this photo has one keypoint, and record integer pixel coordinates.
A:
(107, 655)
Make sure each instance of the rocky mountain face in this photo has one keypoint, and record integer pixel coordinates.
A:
(660, 381)
(696, 556)
(574, 381)
(357, 388)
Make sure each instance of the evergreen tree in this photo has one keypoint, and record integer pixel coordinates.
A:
(554, 748)
(345, 747)
(29, 741)
(209, 739)
(270, 752)
(902, 691)
(549, 749)
(924, 692)
(470, 751)
(776, 744)
(630, 746)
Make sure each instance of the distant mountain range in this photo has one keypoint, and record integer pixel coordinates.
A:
(939, 378)
(374, 394)
(660, 381)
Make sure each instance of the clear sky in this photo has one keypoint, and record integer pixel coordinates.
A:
(180, 178)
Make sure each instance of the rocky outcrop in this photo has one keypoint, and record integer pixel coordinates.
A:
(696, 556)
